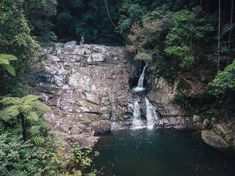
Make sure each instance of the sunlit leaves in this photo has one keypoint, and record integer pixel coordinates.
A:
(5, 60)
(224, 81)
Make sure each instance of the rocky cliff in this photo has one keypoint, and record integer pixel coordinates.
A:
(162, 95)
(86, 87)
(88, 90)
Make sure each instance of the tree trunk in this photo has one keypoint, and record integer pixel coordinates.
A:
(219, 33)
(231, 22)
(23, 125)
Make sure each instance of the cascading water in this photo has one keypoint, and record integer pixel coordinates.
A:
(151, 114)
(140, 86)
(137, 122)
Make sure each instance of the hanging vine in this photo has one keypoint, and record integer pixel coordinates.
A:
(107, 9)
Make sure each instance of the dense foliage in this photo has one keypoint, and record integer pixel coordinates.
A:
(26, 144)
(40, 14)
(14, 31)
(224, 81)
(92, 19)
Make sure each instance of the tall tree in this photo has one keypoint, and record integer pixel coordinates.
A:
(231, 23)
(219, 34)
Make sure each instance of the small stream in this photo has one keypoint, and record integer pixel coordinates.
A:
(157, 153)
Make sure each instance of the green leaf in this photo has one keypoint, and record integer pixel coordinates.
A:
(6, 58)
(5, 62)
(9, 69)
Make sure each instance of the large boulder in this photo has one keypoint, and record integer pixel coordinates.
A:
(220, 136)
(213, 139)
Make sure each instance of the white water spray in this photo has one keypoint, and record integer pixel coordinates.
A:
(140, 86)
(137, 122)
(151, 114)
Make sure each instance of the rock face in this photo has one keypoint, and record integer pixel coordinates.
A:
(101, 127)
(86, 86)
(174, 122)
(162, 95)
(220, 136)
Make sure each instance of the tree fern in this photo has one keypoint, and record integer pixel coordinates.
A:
(24, 108)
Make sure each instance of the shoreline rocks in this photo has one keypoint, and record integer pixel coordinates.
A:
(219, 136)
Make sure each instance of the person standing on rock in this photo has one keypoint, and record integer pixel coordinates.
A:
(82, 41)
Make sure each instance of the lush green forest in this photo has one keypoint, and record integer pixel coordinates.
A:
(185, 40)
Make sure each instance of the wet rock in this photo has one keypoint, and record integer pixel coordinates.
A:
(83, 140)
(219, 136)
(206, 123)
(162, 94)
(174, 122)
(101, 127)
(97, 57)
(213, 120)
(213, 139)
(222, 129)
(196, 118)
(70, 44)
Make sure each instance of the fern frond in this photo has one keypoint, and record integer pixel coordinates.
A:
(9, 113)
(10, 101)
(32, 116)
(29, 99)
(35, 130)
(40, 106)
(25, 109)
(37, 140)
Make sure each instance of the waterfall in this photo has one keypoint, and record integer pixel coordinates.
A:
(137, 122)
(140, 86)
(151, 111)
(151, 114)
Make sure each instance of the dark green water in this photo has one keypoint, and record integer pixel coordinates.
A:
(154, 153)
